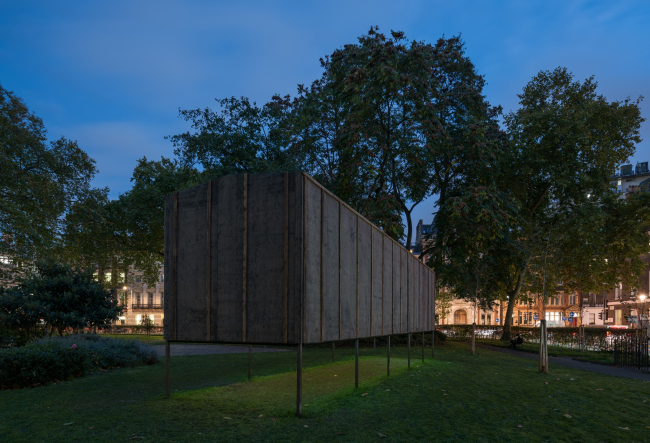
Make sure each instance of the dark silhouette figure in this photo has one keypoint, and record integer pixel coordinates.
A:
(516, 341)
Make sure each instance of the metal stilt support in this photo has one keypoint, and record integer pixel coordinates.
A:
(409, 351)
(388, 359)
(168, 387)
(299, 383)
(433, 339)
(356, 363)
(250, 362)
(473, 338)
(423, 347)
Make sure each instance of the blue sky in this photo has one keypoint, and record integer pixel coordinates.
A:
(112, 75)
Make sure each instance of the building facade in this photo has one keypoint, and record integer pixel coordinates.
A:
(140, 300)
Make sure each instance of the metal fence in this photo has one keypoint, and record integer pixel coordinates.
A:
(589, 339)
(632, 350)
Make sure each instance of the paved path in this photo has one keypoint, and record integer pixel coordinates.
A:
(570, 363)
(179, 350)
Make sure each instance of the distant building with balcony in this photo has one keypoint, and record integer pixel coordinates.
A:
(631, 179)
(140, 300)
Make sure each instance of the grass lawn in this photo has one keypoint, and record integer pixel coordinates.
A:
(601, 357)
(457, 397)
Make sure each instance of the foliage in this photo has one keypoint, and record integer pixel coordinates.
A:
(54, 298)
(39, 182)
(147, 324)
(391, 122)
(474, 226)
(127, 232)
(444, 301)
(565, 141)
(35, 365)
(60, 358)
(239, 138)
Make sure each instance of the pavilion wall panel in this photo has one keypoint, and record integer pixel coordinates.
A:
(276, 258)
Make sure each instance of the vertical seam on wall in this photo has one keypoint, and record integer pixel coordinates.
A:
(339, 242)
(303, 282)
(245, 258)
(175, 275)
(322, 238)
(208, 262)
(303, 229)
(408, 308)
(400, 290)
(357, 280)
(421, 299)
(371, 279)
(216, 264)
(286, 257)
(392, 288)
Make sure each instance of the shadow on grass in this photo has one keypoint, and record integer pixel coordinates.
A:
(275, 395)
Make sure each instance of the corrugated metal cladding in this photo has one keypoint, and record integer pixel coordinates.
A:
(276, 258)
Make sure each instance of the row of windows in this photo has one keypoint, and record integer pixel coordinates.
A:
(553, 301)
(120, 277)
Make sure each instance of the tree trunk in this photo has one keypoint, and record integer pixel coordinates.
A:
(507, 320)
(512, 299)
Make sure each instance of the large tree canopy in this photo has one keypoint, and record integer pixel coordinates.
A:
(565, 142)
(392, 122)
(39, 180)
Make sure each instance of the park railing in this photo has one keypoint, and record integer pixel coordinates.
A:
(632, 350)
(593, 339)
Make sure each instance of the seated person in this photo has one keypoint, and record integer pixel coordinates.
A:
(516, 341)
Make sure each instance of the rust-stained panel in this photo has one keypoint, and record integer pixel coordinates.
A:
(276, 258)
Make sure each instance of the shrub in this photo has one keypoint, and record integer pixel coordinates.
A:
(440, 337)
(59, 358)
(35, 365)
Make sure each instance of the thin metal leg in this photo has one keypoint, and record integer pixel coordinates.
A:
(409, 351)
(374, 345)
(388, 360)
(332, 352)
(356, 363)
(423, 347)
(250, 362)
(299, 383)
(433, 339)
(473, 338)
(168, 387)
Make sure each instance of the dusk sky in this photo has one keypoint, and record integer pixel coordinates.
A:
(112, 75)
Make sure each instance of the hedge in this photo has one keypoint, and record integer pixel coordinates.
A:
(62, 358)
(597, 339)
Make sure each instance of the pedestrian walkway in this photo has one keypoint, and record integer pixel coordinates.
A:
(574, 364)
(182, 350)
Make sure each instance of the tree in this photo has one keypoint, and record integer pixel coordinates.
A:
(476, 228)
(115, 235)
(60, 297)
(39, 181)
(147, 324)
(239, 138)
(565, 141)
(391, 123)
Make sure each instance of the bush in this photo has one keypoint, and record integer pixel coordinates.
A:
(440, 337)
(60, 358)
(35, 365)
